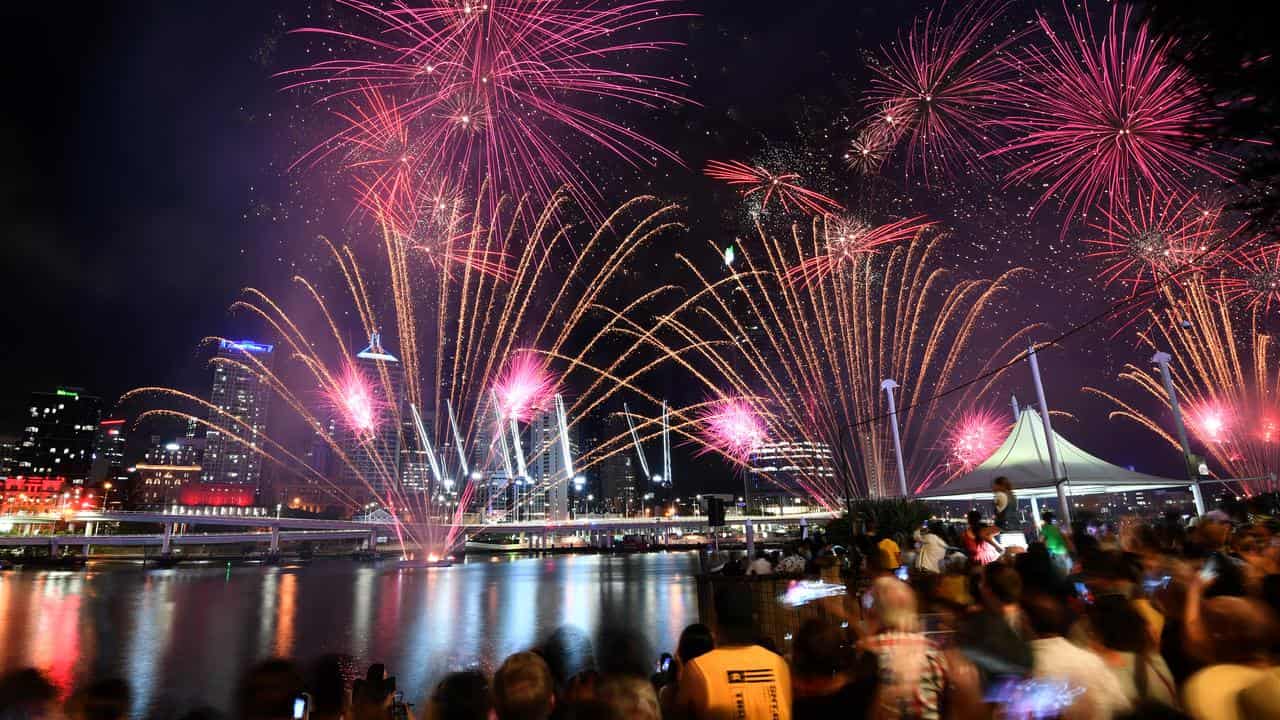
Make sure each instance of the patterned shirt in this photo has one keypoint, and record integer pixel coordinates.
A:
(912, 676)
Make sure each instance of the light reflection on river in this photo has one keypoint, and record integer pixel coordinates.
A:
(181, 637)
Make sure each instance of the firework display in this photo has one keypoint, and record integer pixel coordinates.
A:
(492, 90)
(938, 85)
(809, 357)
(1225, 373)
(478, 146)
(1103, 114)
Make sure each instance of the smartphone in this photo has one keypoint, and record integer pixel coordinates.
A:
(1082, 592)
(301, 706)
(901, 572)
(664, 663)
(1209, 572)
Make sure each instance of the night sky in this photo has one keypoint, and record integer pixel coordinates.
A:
(147, 145)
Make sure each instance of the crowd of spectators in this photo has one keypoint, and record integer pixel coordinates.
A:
(1111, 620)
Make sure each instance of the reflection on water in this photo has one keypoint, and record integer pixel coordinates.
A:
(182, 636)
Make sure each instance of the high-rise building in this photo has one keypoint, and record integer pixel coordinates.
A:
(490, 461)
(58, 435)
(374, 452)
(243, 400)
(618, 484)
(789, 466)
(548, 470)
(10, 451)
(108, 452)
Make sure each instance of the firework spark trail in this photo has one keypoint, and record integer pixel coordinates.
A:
(1154, 240)
(847, 239)
(1252, 277)
(758, 181)
(1224, 372)
(494, 89)
(1103, 115)
(939, 85)
(811, 357)
(466, 330)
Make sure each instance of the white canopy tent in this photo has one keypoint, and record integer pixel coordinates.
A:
(1024, 459)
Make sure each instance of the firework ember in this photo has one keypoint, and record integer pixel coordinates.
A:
(785, 187)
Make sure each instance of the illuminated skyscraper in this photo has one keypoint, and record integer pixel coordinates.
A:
(239, 393)
(375, 453)
(58, 435)
(548, 471)
(108, 452)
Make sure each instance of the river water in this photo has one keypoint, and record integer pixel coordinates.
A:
(182, 636)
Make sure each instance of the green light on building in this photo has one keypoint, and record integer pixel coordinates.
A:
(67, 393)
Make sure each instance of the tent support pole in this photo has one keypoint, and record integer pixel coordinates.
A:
(1162, 359)
(1035, 514)
(1055, 467)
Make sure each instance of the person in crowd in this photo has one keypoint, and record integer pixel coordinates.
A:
(567, 651)
(460, 696)
(1231, 636)
(888, 554)
(106, 699)
(1055, 659)
(911, 674)
(792, 563)
(978, 540)
(27, 694)
(328, 688)
(996, 639)
(933, 549)
(626, 697)
(739, 678)
(695, 641)
(823, 685)
(761, 565)
(1118, 634)
(1055, 542)
(268, 689)
(1006, 506)
(1222, 572)
(523, 688)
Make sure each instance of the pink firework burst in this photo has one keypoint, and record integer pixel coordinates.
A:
(496, 89)
(1152, 241)
(1212, 423)
(848, 238)
(940, 86)
(869, 149)
(524, 387)
(755, 180)
(1253, 277)
(356, 402)
(733, 428)
(1108, 113)
(974, 438)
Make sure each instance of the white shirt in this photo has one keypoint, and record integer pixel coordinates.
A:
(760, 566)
(1102, 695)
(932, 552)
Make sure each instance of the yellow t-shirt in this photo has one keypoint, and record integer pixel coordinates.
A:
(890, 554)
(736, 683)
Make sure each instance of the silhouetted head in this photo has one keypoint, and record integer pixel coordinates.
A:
(523, 689)
(820, 650)
(27, 693)
(460, 696)
(267, 691)
(695, 640)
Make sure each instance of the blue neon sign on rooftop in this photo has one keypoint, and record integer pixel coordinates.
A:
(245, 346)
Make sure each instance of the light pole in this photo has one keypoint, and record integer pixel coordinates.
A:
(888, 387)
(1162, 359)
(1059, 478)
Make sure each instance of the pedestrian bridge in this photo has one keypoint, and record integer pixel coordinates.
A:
(175, 529)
